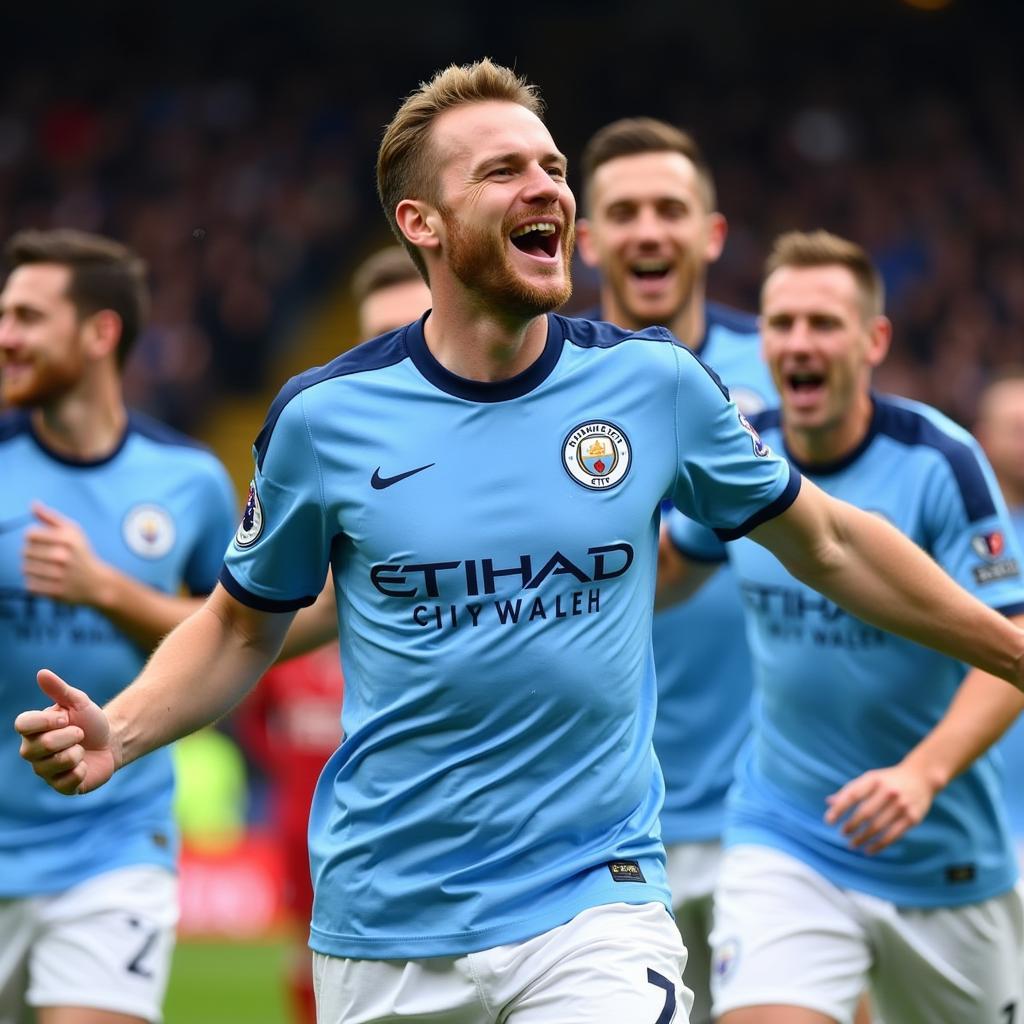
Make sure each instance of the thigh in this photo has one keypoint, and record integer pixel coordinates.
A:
(694, 918)
(437, 990)
(107, 944)
(950, 965)
(692, 873)
(17, 933)
(784, 936)
(608, 965)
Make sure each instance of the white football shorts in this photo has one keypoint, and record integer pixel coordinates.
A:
(614, 964)
(105, 943)
(783, 934)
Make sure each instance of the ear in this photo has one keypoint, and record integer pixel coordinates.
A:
(101, 333)
(880, 338)
(420, 223)
(718, 228)
(586, 244)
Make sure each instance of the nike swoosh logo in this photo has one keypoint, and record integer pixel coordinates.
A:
(15, 524)
(378, 482)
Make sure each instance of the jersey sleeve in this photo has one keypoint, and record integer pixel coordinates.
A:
(727, 478)
(280, 553)
(695, 542)
(217, 513)
(972, 536)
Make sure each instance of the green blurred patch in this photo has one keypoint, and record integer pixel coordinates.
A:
(218, 982)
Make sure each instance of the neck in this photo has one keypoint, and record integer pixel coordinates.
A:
(818, 445)
(478, 343)
(87, 423)
(687, 324)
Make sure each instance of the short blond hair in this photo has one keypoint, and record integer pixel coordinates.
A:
(406, 165)
(823, 249)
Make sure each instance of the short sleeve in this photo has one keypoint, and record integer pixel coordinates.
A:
(693, 541)
(280, 553)
(970, 532)
(217, 514)
(726, 477)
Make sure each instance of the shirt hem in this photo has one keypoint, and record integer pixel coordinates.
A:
(899, 896)
(359, 947)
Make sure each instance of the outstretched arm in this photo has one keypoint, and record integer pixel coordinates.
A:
(873, 571)
(884, 804)
(197, 674)
(59, 562)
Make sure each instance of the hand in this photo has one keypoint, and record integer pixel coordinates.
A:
(69, 744)
(885, 804)
(59, 562)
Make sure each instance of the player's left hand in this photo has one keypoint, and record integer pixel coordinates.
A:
(59, 562)
(883, 805)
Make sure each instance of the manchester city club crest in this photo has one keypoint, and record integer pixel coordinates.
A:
(148, 530)
(251, 526)
(596, 455)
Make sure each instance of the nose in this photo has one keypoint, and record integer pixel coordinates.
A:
(648, 227)
(540, 188)
(8, 333)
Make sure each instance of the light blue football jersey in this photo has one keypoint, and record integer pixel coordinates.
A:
(701, 656)
(493, 548)
(1011, 746)
(837, 696)
(160, 509)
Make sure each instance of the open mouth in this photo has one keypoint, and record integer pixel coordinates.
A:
(539, 239)
(650, 270)
(805, 382)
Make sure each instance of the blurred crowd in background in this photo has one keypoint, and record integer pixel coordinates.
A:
(235, 150)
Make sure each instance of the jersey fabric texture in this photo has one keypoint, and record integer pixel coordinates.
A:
(701, 656)
(160, 509)
(493, 548)
(837, 696)
(1011, 746)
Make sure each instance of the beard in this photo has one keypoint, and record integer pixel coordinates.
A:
(480, 261)
(42, 383)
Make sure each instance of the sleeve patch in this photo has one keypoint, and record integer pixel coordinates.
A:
(251, 526)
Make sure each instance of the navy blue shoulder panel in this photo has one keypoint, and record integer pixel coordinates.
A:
(766, 419)
(600, 334)
(154, 430)
(374, 354)
(910, 427)
(732, 319)
(12, 423)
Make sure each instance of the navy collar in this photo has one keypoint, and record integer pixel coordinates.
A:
(813, 469)
(478, 390)
(68, 460)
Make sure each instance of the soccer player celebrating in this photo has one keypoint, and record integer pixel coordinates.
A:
(652, 228)
(104, 517)
(1000, 429)
(486, 486)
(907, 883)
(290, 723)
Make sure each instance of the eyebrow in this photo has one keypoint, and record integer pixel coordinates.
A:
(516, 156)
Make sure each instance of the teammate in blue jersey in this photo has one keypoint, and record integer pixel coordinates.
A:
(1000, 429)
(104, 517)
(486, 486)
(652, 228)
(867, 840)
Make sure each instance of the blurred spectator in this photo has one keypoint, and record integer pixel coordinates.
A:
(239, 163)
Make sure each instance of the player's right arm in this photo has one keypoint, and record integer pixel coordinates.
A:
(198, 673)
